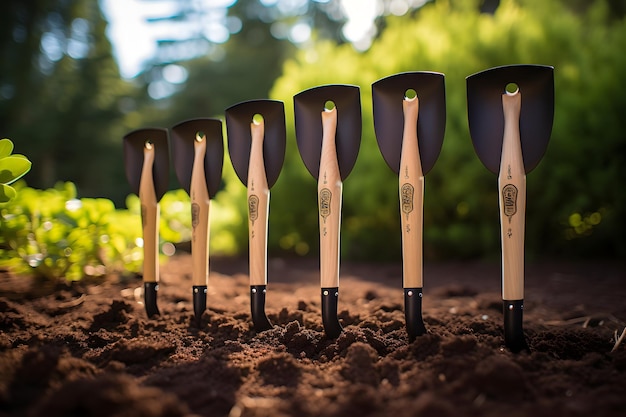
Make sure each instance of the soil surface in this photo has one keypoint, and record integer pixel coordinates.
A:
(88, 349)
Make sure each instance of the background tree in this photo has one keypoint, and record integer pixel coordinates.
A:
(61, 93)
(240, 64)
(63, 103)
(574, 204)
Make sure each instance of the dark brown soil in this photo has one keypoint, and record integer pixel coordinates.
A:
(89, 350)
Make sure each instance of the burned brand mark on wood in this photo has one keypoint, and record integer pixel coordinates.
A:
(509, 200)
(144, 211)
(195, 214)
(253, 207)
(325, 197)
(406, 195)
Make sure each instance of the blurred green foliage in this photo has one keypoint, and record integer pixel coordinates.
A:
(12, 167)
(71, 107)
(52, 234)
(579, 177)
(61, 95)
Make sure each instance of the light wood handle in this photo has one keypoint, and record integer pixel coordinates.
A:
(200, 204)
(258, 206)
(329, 190)
(149, 217)
(411, 183)
(512, 187)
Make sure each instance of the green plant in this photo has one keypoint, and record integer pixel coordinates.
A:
(53, 234)
(575, 203)
(12, 168)
(227, 212)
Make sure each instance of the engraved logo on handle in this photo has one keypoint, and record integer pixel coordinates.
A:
(509, 199)
(195, 215)
(325, 197)
(253, 207)
(144, 211)
(406, 194)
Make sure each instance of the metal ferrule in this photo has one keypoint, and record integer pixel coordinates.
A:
(257, 307)
(150, 298)
(199, 302)
(332, 327)
(513, 331)
(413, 313)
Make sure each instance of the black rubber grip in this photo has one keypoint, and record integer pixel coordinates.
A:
(199, 302)
(257, 307)
(332, 327)
(513, 329)
(150, 298)
(413, 313)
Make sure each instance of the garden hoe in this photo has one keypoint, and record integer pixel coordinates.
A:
(409, 121)
(256, 144)
(198, 155)
(146, 162)
(328, 133)
(510, 111)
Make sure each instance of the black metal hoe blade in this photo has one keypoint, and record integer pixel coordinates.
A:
(328, 133)
(510, 111)
(146, 162)
(409, 121)
(198, 155)
(256, 144)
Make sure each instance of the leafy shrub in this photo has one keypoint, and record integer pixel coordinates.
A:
(575, 202)
(53, 234)
(12, 168)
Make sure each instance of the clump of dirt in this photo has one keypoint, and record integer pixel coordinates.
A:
(88, 348)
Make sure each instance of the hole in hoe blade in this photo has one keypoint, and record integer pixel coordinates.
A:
(410, 94)
(511, 89)
(257, 119)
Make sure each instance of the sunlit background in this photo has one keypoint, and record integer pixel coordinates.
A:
(143, 32)
(75, 77)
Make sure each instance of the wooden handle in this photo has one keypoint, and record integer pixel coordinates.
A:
(200, 203)
(512, 187)
(411, 183)
(149, 217)
(258, 206)
(329, 189)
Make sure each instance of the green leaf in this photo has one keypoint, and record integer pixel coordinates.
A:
(13, 168)
(6, 147)
(7, 193)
